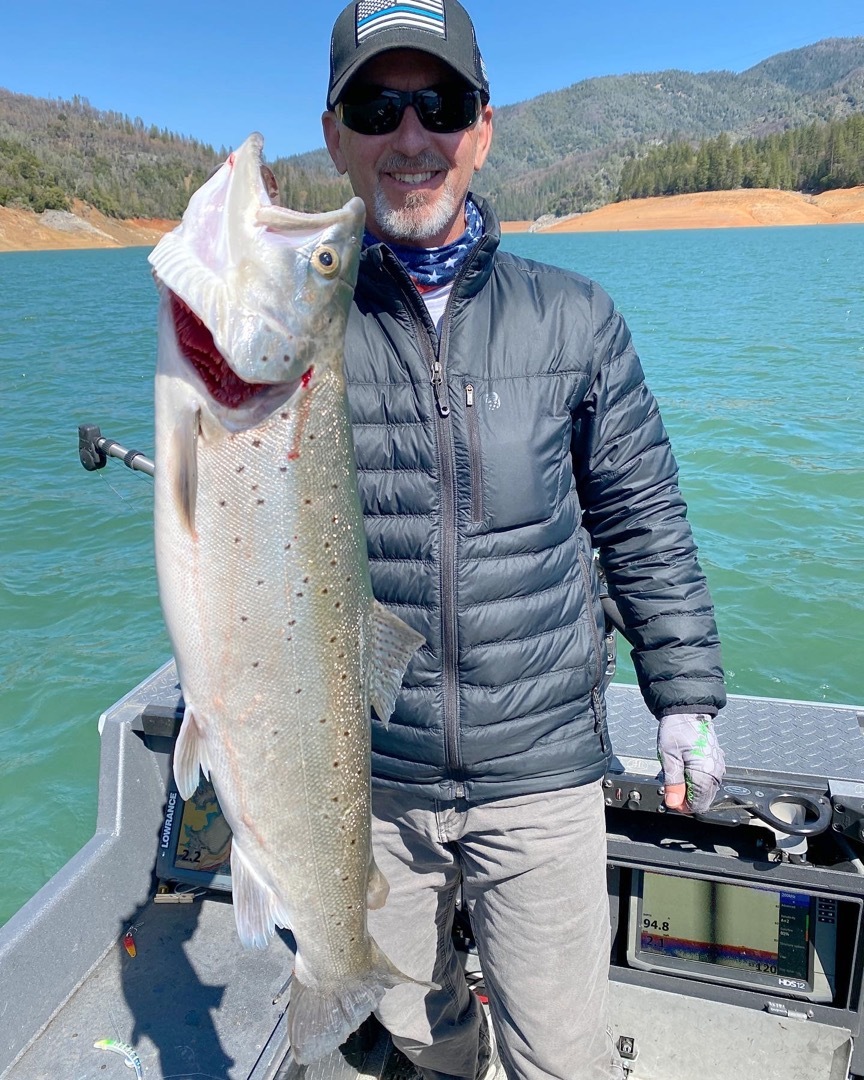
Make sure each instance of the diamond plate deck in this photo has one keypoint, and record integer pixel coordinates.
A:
(804, 740)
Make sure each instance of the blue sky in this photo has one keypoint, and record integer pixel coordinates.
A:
(219, 70)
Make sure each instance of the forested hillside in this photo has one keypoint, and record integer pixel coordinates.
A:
(54, 151)
(561, 152)
(812, 159)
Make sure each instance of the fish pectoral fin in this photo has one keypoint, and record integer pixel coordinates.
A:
(393, 645)
(377, 889)
(257, 908)
(184, 466)
(320, 1020)
(190, 756)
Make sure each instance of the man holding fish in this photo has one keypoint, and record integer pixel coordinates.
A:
(502, 430)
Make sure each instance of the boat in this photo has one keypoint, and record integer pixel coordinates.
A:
(737, 946)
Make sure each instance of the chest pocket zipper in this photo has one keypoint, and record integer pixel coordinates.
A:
(474, 456)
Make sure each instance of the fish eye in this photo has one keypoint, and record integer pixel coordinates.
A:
(326, 261)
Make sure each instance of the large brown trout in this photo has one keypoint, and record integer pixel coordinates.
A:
(263, 577)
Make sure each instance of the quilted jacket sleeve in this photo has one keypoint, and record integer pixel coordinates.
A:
(628, 485)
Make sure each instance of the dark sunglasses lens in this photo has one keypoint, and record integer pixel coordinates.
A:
(373, 115)
(446, 110)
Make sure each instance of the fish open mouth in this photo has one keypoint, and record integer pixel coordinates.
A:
(197, 345)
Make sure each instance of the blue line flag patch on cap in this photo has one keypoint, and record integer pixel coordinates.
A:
(375, 15)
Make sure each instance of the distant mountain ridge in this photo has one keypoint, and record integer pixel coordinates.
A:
(564, 149)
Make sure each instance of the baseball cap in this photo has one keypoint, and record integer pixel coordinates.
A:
(442, 28)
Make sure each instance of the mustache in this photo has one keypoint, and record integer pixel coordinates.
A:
(428, 161)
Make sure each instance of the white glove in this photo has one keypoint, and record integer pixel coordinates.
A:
(692, 761)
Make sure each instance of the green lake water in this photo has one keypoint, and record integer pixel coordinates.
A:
(752, 340)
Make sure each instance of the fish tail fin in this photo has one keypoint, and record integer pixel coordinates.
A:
(320, 1020)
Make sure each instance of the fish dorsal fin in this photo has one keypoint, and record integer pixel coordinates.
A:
(393, 643)
(190, 756)
(257, 908)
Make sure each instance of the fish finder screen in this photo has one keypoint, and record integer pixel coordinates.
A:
(760, 931)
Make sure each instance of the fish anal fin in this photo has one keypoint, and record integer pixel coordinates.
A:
(257, 910)
(184, 466)
(377, 888)
(393, 645)
(190, 756)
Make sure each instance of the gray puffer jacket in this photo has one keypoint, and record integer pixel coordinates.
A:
(490, 464)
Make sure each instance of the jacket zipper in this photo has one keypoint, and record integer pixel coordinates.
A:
(474, 458)
(597, 706)
(436, 356)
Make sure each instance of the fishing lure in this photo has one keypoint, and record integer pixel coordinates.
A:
(127, 1051)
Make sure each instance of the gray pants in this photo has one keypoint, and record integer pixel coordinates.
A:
(534, 873)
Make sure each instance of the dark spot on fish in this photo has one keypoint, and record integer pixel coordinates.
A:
(260, 502)
(348, 578)
(332, 639)
(341, 655)
(240, 468)
(335, 487)
(286, 359)
(327, 545)
(222, 502)
(335, 764)
(299, 594)
(254, 487)
(353, 838)
(256, 443)
(332, 562)
(346, 879)
(338, 604)
(307, 502)
(323, 720)
(236, 539)
(306, 580)
(292, 622)
(334, 520)
(299, 690)
(263, 359)
(284, 415)
(324, 591)
(343, 677)
(287, 547)
(255, 663)
(260, 580)
(346, 733)
(335, 798)
(311, 437)
(283, 468)
(244, 618)
(275, 733)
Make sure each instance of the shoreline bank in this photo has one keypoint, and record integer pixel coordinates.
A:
(84, 227)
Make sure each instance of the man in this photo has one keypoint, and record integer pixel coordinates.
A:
(503, 429)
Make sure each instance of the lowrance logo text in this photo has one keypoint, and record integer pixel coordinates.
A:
(169, 819)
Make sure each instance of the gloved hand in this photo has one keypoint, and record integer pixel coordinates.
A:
(693, 763)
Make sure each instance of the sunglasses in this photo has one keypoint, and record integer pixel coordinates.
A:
(377, 110)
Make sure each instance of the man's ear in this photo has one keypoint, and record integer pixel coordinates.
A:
(332, 137)
(484, 139)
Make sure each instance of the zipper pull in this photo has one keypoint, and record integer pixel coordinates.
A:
(469, 394)
(439, 389)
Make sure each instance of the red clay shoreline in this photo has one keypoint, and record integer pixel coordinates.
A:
(22, 230)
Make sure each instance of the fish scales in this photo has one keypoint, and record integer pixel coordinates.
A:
(264, 579)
